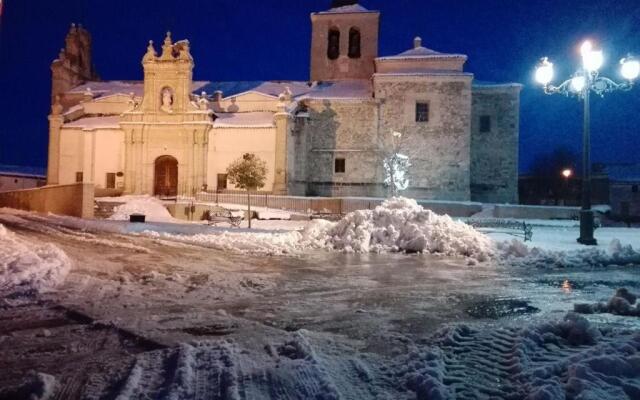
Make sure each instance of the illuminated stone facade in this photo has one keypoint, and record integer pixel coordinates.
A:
(171, 135)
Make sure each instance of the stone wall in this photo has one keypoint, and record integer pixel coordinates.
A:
(494, 154)
(337, 129)
(438, 149)
(75, 200)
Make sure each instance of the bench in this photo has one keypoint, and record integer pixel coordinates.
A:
(216, 215)
(515, 228)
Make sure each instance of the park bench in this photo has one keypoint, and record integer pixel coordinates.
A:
(515, 228)
(216, 215)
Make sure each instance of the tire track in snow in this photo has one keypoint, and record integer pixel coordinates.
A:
(222, 370)
(553, 360)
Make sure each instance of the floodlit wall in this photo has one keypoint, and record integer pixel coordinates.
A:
(75, 200)
(228, 144)
(345, 129)
(494, 147)
(92, 152)
(438, 149)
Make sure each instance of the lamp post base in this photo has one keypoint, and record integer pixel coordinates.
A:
(586, 228)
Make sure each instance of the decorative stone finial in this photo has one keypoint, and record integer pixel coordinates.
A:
(56, 107)
(62, 55)
(151, 52)
(203, 102)
(167, 47)
(417, 42)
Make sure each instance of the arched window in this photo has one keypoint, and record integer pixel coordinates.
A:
(333, 45)
(354, 43)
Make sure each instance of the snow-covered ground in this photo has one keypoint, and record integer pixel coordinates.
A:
(158, 310)
(28, 268)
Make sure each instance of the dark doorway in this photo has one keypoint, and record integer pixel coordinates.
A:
(166, 176)
(222, 181)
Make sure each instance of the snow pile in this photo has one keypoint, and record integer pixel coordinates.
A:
(397, 225)
(622, 303)
(29, 267)
(400, 224)
(518, 254)
(149, 206)
(34, 386)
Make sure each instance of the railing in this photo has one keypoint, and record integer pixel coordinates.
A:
(307, 205)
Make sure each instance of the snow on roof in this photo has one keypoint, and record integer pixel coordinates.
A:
(423, 72)
(22, 170)
(111, 87)
(494, 85)
(419, 52)
(346, 90)
(106, 122)
(244, 120)
(107, 88)
(352, 8)
(270, 88)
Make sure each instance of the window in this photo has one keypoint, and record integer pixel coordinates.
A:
(634, 189)
(111, 180)
(485, 123)
(222, 181)
(354, 43)
(79, 177)
(340, 166)
(333, 45)
(422, 112)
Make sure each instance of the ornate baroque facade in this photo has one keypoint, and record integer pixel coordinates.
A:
(170, 134)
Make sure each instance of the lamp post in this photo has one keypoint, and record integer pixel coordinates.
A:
(581, 84)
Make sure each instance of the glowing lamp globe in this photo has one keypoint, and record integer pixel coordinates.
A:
(630, 68)
(544, 72)
(567, 173)
(578, 83)
(592, 60)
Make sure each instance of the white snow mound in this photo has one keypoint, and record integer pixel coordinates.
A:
(401, 224)
(29, 267)
(151, 207)
(518, 254)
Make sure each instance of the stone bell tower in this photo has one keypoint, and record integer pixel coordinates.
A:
(73, 66)
(344, 42)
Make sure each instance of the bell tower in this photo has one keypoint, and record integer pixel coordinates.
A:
(73, 66)
(344, 42)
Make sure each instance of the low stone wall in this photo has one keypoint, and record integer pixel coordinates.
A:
(535, 212)
(75, 200)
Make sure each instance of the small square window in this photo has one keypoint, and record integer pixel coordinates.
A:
(111, 180)
(340, 166)
(422, 112)
(634, 189)
(485, 123)
(79, 177)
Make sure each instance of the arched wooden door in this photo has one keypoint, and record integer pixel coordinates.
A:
(166, 176)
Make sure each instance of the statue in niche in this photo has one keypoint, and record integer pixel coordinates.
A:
(167, 100)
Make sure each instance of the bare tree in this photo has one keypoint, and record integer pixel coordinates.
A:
(250, 173)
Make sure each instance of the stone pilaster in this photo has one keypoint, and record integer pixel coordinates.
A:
(282, 121)
(56, 120)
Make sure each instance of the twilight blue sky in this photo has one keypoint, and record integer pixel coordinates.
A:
(269, 39)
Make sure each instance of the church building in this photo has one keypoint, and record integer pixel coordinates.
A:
(169, 135)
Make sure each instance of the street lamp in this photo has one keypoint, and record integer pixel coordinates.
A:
(581, 84)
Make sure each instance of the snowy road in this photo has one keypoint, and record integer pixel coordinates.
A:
(318, 325)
